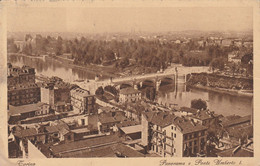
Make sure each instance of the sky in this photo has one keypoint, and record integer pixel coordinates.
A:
(129, 19)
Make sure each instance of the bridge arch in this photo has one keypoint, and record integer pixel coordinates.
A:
(125, 85)
(166, 81)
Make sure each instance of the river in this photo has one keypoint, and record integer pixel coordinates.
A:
(179, 95)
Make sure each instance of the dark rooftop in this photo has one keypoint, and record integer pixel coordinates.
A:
(13, 110)
(236, 121)
(84, 144)
(129, 90)
(236, 152)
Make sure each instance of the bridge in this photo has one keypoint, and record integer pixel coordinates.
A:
(139, 81)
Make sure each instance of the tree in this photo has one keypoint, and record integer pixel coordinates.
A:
(58, 48)
(124, 62)
(217, 63)
(100, 91)
(246, 58)
(198, 104)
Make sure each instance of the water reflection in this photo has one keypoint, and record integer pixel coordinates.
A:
(220, 103)
(51, 67)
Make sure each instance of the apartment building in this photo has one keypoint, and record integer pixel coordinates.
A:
(22, 94)
(82, 102)
(167, 135)
(20, 75)
(129, 95)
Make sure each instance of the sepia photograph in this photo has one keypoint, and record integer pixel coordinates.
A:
(127, 82)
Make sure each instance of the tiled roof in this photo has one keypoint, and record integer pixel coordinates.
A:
(97, 152)
(129, 90)
(187, 126)
(87, 143)
(236, 121)
(26, 133)
(203, 115)
(127, 151)
(109, 118)
(131, 129)
(127, 123)
(164, 119)
(80, 92)
(13, 110)
(189, 110)
(56, 128)
(236, 152)
(239, 131)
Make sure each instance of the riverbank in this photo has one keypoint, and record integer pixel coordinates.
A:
(225, 91)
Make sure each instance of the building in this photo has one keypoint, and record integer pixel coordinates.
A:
(29, 110)
(21, 86)
(56, 92)
(82, 102)
(165, 134)
(107, 121)
(80, 147)
(22, 94)
(17, 75)
(238, 151)
(236, 131)
(204, 117)
(129, 95)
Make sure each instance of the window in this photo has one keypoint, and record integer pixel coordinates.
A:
(174, 135)
(195, 142)
(185, 137)
(174, 150)
(195, 135)
(202, 133)
(190, 143)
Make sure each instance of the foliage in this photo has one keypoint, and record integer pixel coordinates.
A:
(217, 63)
(111, 89)
(100, 91)
(198, 104)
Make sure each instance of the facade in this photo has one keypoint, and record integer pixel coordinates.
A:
(22, 89)
(29, 110)
(22, 94)
(82, 102)
(54, 92)
(168, 135)
(17, 75)
(129, 95)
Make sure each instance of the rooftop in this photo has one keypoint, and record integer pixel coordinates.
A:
(203, 115)
(132, 129)
(129, 90)
(23, 86)
(14, 110)
(164, 119)
(189, 110)
(26, 133)
(87, 143)
(80, 92)
(236, 152)
(236, 121)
